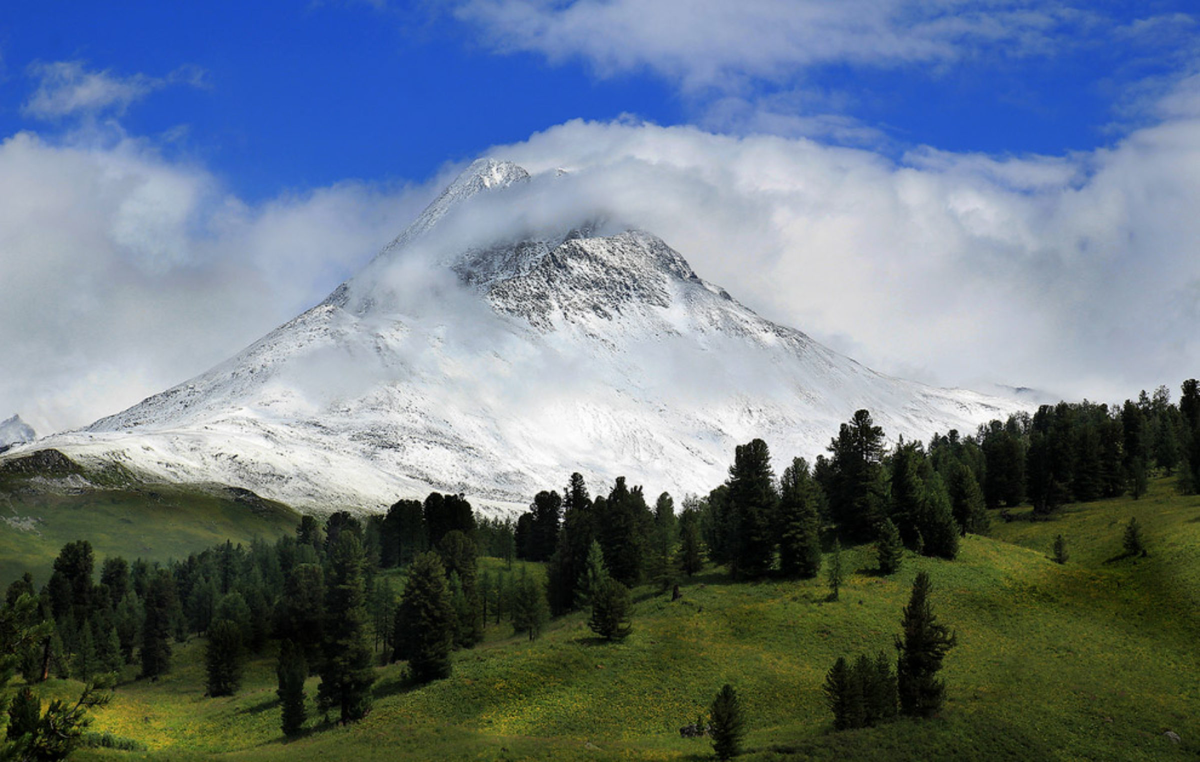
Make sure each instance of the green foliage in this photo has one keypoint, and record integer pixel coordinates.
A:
(592, 577)
(223, 658)
(856, 488)
(291, 671)
(622, 522)
(1060, 550)
(530, 611)
(799, 525)
(159, 600)
(23, 713)
(888, 548)
(345, 670)
(752, 502)
(834, 573)
(424, 630)
(1132, 541)
(611, 611)
(922, 644)
(727, 723)
(690, 556)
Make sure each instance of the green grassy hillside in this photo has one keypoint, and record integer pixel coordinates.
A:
(1091, 660)
(40, 512)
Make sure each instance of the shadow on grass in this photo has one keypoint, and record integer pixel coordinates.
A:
(1123, 556)
(395, 686)
(260, 707)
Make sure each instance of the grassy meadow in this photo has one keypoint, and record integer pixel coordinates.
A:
(1092, 660)
(156, 523)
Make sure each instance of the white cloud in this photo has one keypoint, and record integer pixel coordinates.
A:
(1078, 275)
(66, 88)
(715, 43)
(123, 273)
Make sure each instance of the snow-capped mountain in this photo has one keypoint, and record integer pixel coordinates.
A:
(484, 353)
(14, 432)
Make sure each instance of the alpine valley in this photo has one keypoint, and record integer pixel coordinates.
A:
(493, 351)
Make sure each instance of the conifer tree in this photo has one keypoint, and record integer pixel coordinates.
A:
(837, 693)
(690, 557)
(530, 611)
(346, 670)
(156, 626)
(856, 492)
(291, 672)
(966, 501)
(884, 697)
(1133, 543)
(223, 659)
(23, 714)
(752, 501)
(611, 609)
(922, 646)
(834, 573)
(424, 631)
(1060, 550)
(727, 725)
(889, 549)
(799, 523)
(592, 577)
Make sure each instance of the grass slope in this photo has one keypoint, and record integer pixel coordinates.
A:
(156, 523)
(1091, 660)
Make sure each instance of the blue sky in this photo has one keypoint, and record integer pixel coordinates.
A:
(958, 191)
(293, 95)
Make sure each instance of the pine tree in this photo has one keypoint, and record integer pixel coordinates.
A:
(1060, 550)
(884, 698)
(24, 713)
(727, 726)
(889, 549)
(922, 646)
(592, 577)
(690, 558)
(291, 672)
(223, 659)
(530, 611)
(799, 528)
(424, 630)
(611, 608)
(834, 574)
(753, 501)
(856, 484)
(1133, 543)
(346, 671)
(966, 501)
(156, 627)
(837, 693)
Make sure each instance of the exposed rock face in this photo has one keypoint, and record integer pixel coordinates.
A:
(499, 368)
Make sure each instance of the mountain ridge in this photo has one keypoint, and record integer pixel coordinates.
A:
(499, 369)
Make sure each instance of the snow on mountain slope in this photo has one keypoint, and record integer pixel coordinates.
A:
(495, 364)
(14, 431)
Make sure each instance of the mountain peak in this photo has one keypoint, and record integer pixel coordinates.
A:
(481, 175)
(14, 431)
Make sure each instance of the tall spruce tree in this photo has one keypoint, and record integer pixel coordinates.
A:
(346, 669)
(690, 558)
(156, 624)
(799, 525)
(530, 611)
(966, 500)
(856, 497)
(889, 550)
(223, 659)
(424, 630)
(611, 610)
(753, 501)
(291, 672)
(592, 576)
(922, 645)
(575, 539)
(727, 723)
(833, 574)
